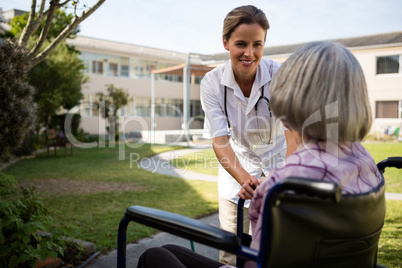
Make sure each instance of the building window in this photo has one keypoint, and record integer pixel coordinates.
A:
(160, 107)
(195, 108)
(142, 106)
(124, 63)
(99, 64)
(134, 68)
(388, 64)
(400, 109)
(97, 67)
(113, 69)
(86, 104)
(88, 58)
(388, 109)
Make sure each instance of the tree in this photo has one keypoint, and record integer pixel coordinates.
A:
(58, 78)
(58, 81)
(60, 21)
(110, 103)
(17, 110)
(17, 57)
(36, 54)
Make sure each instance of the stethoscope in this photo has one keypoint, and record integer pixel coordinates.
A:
(262, 97)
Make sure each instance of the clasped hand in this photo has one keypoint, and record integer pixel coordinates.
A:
(248, 188)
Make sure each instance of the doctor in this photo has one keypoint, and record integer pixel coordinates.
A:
(247, 140)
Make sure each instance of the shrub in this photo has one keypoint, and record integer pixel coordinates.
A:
(22, 215)
(57, 122)
(27, 147)
(17, 108)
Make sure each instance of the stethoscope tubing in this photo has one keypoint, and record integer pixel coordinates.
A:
(262, 97)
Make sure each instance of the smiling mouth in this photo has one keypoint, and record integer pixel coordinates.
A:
(247, 62)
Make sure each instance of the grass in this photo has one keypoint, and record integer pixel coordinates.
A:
(390, 245)
(203, 161)
(206, 162)
(381, 151)
(92, 189)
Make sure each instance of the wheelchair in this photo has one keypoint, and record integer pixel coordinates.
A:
(306, 223)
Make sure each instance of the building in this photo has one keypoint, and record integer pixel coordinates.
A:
(6, 17)
(380, 57)
(136, 69)
(162, 100)
(131, 67)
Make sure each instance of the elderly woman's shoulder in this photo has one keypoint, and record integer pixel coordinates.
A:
(270, 64)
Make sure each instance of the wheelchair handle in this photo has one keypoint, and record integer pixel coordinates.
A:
(395, 161)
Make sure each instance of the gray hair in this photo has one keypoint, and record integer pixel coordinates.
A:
(322, 84)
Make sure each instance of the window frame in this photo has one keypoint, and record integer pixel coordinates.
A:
(384, 56)
(398, 109)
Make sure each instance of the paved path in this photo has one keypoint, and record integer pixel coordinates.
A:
(160, 164)
(135, 250)
(393, 196)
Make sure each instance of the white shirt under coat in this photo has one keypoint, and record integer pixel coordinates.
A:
(255, 157)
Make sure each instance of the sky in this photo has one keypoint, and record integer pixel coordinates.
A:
(196, 26)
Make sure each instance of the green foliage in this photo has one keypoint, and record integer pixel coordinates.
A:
(58, 81)
(22, 216)
(57, 122)
(17, 109)
(58, 78)
(92, 189)
(60, 21)
(27, 146)
(110, 103)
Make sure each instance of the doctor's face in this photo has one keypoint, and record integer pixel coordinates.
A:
(246, 46)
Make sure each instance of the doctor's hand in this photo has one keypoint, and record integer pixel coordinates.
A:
(248, 188)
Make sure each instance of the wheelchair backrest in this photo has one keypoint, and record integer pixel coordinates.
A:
(309, 230)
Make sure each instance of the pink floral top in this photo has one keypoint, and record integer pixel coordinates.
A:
(350, 165)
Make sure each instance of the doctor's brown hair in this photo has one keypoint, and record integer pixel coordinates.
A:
(244, 15)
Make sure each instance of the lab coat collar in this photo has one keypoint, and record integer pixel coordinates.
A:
(261, 78)
(229, 81)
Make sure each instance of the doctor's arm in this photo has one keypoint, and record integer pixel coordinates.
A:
(230, 162)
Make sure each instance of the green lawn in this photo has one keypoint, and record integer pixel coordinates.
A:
(381, 151)
(390, 244)
(206, 162)
(203, 161)
(92, 189)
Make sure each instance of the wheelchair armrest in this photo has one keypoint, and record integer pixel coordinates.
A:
(184, 227)
(390, 162)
